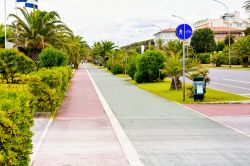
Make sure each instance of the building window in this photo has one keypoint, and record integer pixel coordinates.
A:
(239, 25)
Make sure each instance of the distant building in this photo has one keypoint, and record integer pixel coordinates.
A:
(233, 19)
(166, 35)
(220, 33)
(219, 26)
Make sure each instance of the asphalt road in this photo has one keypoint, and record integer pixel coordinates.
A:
(235, 81)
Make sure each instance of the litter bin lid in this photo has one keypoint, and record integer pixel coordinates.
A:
(199, 78)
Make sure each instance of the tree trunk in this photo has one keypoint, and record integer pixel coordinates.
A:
(175, 84)
(245, 62)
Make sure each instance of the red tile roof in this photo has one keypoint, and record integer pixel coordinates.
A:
(168, 30)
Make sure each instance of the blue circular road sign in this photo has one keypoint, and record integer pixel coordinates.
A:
(184, 31)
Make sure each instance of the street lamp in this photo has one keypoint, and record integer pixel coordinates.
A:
(184, 57)
(228, 31)
(126, 61)
(5, 25)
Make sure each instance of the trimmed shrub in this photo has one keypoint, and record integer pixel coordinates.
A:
(219, 58)
(16, 119)
(12, 63)
(148, 66)
(131, 69)
(51, 57)
(117, 69)
(48, 86)
(204, 58)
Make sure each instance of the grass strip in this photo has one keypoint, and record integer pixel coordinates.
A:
(163, 89)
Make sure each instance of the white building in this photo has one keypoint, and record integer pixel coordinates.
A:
(166, 35)
(233, 19)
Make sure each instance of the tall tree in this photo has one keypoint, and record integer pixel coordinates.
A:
(37, 30)
(203, 41)
(2, 35)
(247, 6)
(75, 47)
(241, 49)
(226, 40)
(103, 49)
(247, 31)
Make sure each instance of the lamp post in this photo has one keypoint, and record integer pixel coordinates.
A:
(228, 31)
(126, 60)
(5, 24)
(183, 58)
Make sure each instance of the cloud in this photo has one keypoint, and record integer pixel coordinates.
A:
(97, 20)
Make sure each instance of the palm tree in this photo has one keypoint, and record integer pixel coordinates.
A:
(103, 49)
(38, 30)
(241, 49)
(160, 44)
(75, 47)
(173, 46)
(247, 6)
(174, 68)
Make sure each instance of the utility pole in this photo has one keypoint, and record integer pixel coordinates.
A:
(228, 30)
(5, 24)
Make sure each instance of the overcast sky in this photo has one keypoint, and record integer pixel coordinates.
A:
(124, 21)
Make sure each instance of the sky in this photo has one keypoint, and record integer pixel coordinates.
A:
(127, 21)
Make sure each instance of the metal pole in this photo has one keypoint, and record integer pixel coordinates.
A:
(5, 24)
(229, 43)
(183, 63)
(126, 61)
(229, 40)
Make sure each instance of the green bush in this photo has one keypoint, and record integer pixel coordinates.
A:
(219, 58)
(16, 119)
(148, 66)
(48, 86)
(131, 69)
(51, 57)
(204, 58)
(12, 63)
(117, 69)
(220, 45)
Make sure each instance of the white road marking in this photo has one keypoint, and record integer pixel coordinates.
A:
(33, 156)
(126, 145)
(231, 80)
(232, 86)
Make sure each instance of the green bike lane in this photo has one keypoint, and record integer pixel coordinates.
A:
(164, 133)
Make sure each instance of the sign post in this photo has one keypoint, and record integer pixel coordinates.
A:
(184, 32)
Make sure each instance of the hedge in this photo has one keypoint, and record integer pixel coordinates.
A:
(48, 86)
(14, 63)
(44, 93)
(16, 119)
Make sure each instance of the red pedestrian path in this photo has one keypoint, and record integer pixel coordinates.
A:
(81, 134)
(221, 109)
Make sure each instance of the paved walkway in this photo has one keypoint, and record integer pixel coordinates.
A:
(236, 116)
(165, 133)
(81, 134)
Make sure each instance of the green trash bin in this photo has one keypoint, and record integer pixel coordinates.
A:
(199, 88)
